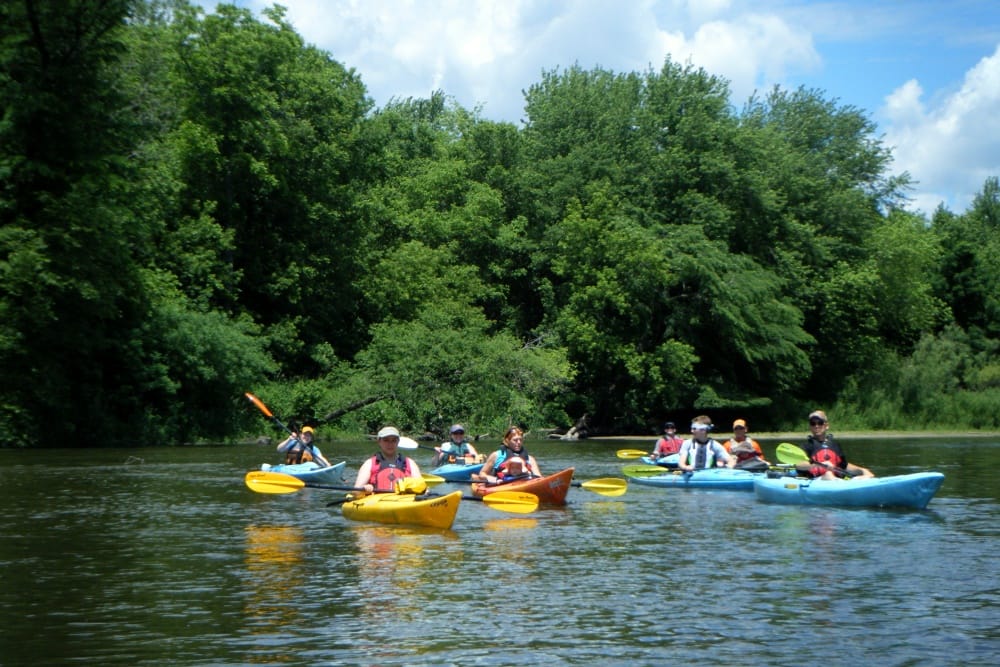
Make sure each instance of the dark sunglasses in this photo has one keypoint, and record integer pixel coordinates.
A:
(816, 422)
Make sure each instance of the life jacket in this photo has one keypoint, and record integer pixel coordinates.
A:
(742, 453)
(668, 445)
(298, 453)
(385, 473)
(709, 453)
(455, 451)
(511, 465)
(825, 454)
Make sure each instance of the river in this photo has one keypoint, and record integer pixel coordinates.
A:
(162, 556)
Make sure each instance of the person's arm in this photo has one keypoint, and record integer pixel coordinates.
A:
(860, 472)
(364, 476)
(286, 443)
(682, 458)
(414, 468)
(318, 455)
(471, 450)
(723, 455)
(533, 466)
(487, 470)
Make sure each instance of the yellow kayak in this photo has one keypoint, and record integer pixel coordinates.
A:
(404, 508)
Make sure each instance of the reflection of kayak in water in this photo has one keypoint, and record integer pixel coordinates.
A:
(510, 524)
(914, 490)
(550, 489)
(310, 471)
(404, 508)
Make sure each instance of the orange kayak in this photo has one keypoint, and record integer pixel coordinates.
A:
(550, 489)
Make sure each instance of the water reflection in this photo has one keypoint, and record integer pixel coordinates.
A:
(275, 567)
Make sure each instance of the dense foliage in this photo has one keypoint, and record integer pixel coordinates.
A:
(195, 205)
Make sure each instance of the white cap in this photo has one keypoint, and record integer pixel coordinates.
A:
(388, 431)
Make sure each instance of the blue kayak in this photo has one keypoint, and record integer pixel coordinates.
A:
(664, 461)
(709, 478)
(914, 490)
(457, 472)
(310, 471)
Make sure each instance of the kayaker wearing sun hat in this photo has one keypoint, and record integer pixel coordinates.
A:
(457, 448)
(669, 444)
(748, 453)
(380, 472)
(298, 448)
(823, 450)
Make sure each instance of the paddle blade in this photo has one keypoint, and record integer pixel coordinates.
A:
(415, 485)
(272, 482)
(432, 480)
(606, 486)
(630, 453)
(510, 501)
(260, 405)
(407, 443)
(644, 471)
(789, 453)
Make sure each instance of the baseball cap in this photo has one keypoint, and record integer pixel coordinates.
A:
(388, 431)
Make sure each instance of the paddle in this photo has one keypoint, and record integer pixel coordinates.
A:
(606, 486)
(644, 471)
(410, 443)
(270, 415)
(631, 453)
(792, 454)
(278, 483)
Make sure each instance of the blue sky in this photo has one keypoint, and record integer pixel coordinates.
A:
(928, 73)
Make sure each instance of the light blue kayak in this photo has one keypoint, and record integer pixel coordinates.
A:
(310, 471)
(914, 490)
(457, 472)
(709, 478)
(669, 461)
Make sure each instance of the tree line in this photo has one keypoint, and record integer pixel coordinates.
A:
(194, 205)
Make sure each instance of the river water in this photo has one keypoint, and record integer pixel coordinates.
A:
(162, 556)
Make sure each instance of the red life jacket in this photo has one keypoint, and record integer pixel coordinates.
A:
(668, 445)
(825, 455)
(385, 473)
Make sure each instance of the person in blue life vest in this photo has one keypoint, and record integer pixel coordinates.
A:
(510, 462)
(299, 448)
(700, 451)
(455, 450)
(669, 444)
(381, 471)
(824, 452)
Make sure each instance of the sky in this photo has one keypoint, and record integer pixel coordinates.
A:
(926, 72)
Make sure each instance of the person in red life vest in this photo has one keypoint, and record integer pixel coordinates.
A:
(380, 472)
(700, 451)
(669, 444)
(510, 462)
(299, 448)
(824, 451)
(749, 455)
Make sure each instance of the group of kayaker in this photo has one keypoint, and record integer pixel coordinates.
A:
(827, 458)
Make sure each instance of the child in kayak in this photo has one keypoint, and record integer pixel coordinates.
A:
(700, 451)
(510, 462)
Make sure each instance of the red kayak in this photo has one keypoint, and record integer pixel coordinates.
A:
(550, 489)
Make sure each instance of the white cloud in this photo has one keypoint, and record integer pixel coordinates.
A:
(753, 51)
(952, 147)
(486, 52)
